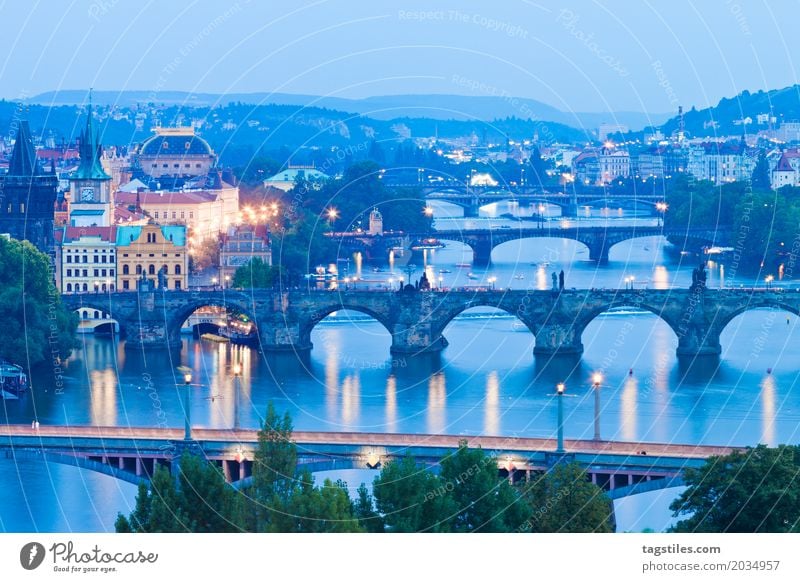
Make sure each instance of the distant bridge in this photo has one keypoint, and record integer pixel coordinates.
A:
(416, 320)
(598, 239)
(131, 454)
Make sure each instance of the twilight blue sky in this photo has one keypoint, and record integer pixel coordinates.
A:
(575, 55)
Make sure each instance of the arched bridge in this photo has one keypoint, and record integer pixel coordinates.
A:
(598, 239)
(131, 454)
(416, 319)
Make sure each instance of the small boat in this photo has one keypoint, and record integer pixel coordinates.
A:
(463, 265)
(12, 378)
(472, 276)
(520, 276)
(445, 271)
(212, 337)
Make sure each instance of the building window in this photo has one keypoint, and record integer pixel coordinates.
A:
(103, 273)
(85, 286)
(96, 259)
(69, 258)
(85, 273)
(103, 258)
(69, 272)
(191, 215)
(173, 214)
(182, 215)
(125, 284)
(112, 287)
(155, 214)
(177, 269)
(177, 284)
(22, 208)
(69, 287)
(125, 270)
(85, 259)
(138, 269)
(104, 288)
(111, 272)
(151, 270)
(97, 272)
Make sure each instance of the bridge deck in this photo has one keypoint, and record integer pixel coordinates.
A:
(490, 443)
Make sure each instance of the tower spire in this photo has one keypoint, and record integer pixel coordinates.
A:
(90, 150)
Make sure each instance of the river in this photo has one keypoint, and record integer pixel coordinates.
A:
(485, 382)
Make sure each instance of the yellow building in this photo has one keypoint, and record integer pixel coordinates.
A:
(155, 252)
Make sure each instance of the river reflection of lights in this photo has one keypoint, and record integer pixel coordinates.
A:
(391, 404)
(628, 409)
(437, 404)
(103, 397)
(351, 399)
(768, 414)
(491, 417)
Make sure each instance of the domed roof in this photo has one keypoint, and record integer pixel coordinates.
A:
(176, 142)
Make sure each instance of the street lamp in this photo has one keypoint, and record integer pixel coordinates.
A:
(441, 281)
(769, 279)
(428, 211)
(227, 281)
(492, 280)
(237, 386)
(96, 286)
(214, 282)
(187, 406)
(333, 214)
(597, 380)
(560, 388)
(661, 207)
(542, 208)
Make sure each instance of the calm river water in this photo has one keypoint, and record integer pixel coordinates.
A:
(485, 382)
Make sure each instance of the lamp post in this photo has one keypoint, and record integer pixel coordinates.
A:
(227, 281)
(560, 388)
(96, 286)
(597, 380)
(187, 406)
(492, 280)
(769, 279)
(237, 386)
(214, 282)
(333, 214)
(661, 207)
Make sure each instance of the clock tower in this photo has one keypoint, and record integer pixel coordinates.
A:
(90, 186)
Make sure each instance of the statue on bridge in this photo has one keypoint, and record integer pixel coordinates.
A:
(555, 281)
(561, 280)
(699, 278)
(162, 278)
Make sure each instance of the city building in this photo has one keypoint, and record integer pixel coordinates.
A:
(661, 161)
(86, 259)
(153, 252)
(286, 179)
(720, 162)
(787, 170)
(28, 195)
(90, 199)
(598, 167)
(240, 244)
(375, 222)
(175, 151)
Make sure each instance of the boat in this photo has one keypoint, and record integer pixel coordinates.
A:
(212, 337)
(426, 244)
(520, 276)
(239, 330)
(12, 378)
(445, 271)
(472, 276)
(463, 264)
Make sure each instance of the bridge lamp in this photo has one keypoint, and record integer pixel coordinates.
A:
(227, 280)
(492, 280)
(237, 372)
(560, 388)
(96, 286)
(428, 211)
(769, 279)
(597, 380)
(187, 407)
(333, 214)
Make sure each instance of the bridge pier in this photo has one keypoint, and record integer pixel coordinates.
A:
(147, 334)
(482, 253)
(598, 251)
(417, 338)
(557, 339)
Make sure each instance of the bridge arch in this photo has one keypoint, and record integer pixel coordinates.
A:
(484, 299)
(755, 303)
(176, 319)
(312, 319)
(592, 312)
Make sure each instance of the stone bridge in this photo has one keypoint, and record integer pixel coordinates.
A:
(416, 320)
(132, 453)
(598, 239)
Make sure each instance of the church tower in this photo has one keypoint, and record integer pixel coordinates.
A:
(90, 186)
(28, 195)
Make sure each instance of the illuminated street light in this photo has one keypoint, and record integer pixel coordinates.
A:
(597, 380)
(560, 388)
(187, 407)
(428, 211)
(492, 280)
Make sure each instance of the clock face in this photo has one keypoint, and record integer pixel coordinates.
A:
(87, 194)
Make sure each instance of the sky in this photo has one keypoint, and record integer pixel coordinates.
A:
(577, 55)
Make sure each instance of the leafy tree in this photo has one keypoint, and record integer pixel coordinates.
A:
(752, 491)
(311, 509)
(200, 501)
(364, 510)
(37, 326)
(484, 501)
(563, 500)
(205, 255)
(412, 499)
(760, 179)
(256, 274)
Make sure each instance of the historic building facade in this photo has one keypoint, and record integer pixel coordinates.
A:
(151, 252)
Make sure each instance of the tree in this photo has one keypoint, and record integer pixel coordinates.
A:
(749, 491)
(412, 499)
(200, 501)
(256, 274)
(37, 326)
(484, 501)
(205, 255)
(311, 509)
(364, 509)
(760, 179)
(563, 500)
